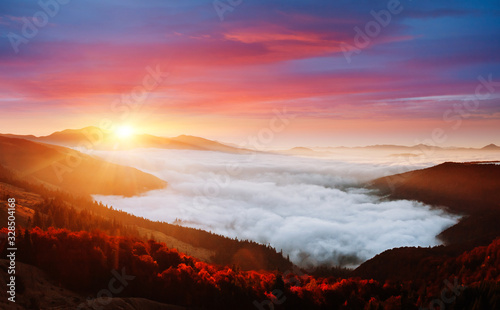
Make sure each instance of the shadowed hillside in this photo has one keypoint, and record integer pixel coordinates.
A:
(39, 291)
(462, 187)
(469, 189)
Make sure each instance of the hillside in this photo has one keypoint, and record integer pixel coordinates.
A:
(63, 168)
(39, 291)
(462, 187)
(469, 189)
(42, 207)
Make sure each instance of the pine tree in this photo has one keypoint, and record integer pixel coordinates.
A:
(38, 220)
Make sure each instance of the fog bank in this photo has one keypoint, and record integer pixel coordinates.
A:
(314, 209)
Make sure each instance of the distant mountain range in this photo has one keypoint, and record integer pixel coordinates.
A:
(397, 150)
(304, 151)
(418, 147)
(99, 139)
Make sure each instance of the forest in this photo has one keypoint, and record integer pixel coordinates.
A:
(81, 261)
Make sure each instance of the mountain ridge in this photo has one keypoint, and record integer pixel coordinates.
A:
(92, 137)
(75, 137)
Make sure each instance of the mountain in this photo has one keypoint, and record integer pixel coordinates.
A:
(468, 189)
(393, 147)
(304, 151)
(491, 147)
(184, 142)
(462, 187)
(471, 190)
(26, 137)
(390, 147)
(206, 144)
(73, 137)
(96, 138)
(442, 265)
(419, 147)
(60, 167)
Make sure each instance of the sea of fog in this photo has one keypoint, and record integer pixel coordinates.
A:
(314, 209)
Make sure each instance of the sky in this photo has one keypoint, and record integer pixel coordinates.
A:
(308, 73)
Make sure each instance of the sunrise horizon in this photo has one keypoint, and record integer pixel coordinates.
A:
(250, 154)
(346, 77)
(242, 139)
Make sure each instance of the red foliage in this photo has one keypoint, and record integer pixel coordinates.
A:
(83, 260)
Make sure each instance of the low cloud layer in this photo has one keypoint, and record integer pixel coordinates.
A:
(313, 209)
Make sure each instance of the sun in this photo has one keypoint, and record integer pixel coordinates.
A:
(124, 132)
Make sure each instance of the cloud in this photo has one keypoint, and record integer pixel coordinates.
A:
(313, 209)
(264, 54)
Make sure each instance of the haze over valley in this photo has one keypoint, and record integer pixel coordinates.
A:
(250, 155)
(317, 210)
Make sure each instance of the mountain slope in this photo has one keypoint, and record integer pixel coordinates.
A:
(40, 292)
(469, 189)
(206, 144)
(64, 168)
(462, 187)
(42, 207)
(491, 147)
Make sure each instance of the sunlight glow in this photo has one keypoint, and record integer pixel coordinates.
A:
(124, 132)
